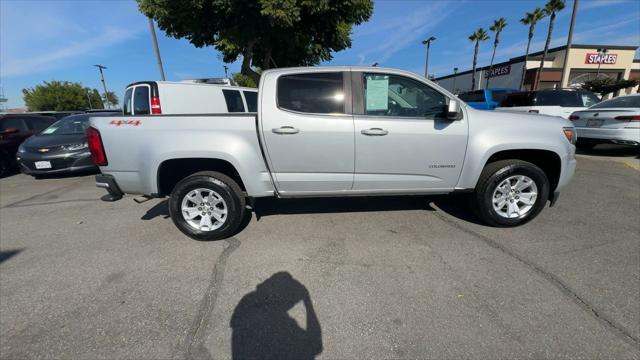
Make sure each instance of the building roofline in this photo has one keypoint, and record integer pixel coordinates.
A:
(552, 50)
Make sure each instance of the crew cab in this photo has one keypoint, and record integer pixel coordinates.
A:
(172, 97)
(335, 131)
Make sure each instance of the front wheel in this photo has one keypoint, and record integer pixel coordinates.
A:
(207, 206)
(510, 193)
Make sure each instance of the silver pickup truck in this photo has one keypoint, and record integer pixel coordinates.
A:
(335, 131)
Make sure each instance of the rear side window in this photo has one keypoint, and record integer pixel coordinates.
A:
(558, 98)
(141, 100)
(233, 100)
(251, 97)
(13, 122)
(126, 103)
(517, 99)
(473, 96)
(317, 93)
(588, 99)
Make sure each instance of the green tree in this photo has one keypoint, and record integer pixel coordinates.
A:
(550, 9)
(265, 33)
(497, 27)
(111, 98)
(240, 79)
(607, 85)
(531, 19)
(476, 37)
(61, 96)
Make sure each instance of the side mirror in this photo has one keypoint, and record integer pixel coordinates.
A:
(8, 131)
(453, 110)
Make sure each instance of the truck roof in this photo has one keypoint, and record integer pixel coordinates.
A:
(193, 84)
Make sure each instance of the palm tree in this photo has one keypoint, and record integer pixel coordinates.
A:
(476, 36)
(550, 9)
(497, 27)
(531, 18)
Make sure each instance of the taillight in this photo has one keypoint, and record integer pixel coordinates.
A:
(574, 117)
(570, 134)
(96, 148)
(155, 105)
(628, 118)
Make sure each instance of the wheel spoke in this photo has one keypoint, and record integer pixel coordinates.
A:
(196, 197)
(522, 184)
(190, 213)
(528, 198)
(205, 222)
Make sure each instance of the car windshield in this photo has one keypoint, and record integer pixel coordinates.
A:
(619, 102)
(71, 125)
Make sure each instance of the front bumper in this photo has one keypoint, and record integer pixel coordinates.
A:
(63, 163)
(109, 183)
(628, 136)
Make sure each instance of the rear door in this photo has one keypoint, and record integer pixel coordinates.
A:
(403, 141)
(308, 131)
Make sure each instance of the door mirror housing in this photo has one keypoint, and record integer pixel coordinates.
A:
(454, 112)
(8, 131)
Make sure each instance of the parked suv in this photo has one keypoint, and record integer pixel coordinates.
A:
(549, 102)
(486, 99)
(14, 129)
(167, 97)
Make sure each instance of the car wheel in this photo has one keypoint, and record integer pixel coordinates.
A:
(4, 166)
(510, 193)
(207, 206)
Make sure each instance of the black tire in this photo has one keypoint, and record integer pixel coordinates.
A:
(226, 187)
(585, 145)
(4, 166)
(492, 175)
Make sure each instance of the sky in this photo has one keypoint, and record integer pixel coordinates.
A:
(62, 40)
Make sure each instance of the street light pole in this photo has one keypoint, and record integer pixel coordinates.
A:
(569, 42)
(455, 74)
(104, 84)
(426, 64)
(155, 47)
(225, 71)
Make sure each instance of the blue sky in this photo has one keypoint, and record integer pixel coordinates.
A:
(61, 40)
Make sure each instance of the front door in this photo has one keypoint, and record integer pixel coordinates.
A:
(308, 133)
(403, 142)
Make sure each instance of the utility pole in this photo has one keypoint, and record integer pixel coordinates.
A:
(104, 85)
(455, 74)
(426, 64)
(565, 76)
(601, 54)
(225, 71)
(155, 47)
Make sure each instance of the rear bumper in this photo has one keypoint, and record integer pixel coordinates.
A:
(604, 135)
(109, 183)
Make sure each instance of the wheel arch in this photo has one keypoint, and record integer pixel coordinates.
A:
(171, 171)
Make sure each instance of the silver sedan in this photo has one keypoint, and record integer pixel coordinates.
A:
(614, 121)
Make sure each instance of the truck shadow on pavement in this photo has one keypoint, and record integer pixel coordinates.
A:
(263, 329)
(454, 205)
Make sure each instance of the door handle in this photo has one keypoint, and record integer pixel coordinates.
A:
(285, 130)
(374, 132)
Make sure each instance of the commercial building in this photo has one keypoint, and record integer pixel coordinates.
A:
(586, 62)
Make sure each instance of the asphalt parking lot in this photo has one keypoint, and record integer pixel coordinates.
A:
(398, 277)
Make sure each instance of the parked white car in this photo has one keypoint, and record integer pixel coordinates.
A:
(549, 102)
(612, 121)
(167, 97)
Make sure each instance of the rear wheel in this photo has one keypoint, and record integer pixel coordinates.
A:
(207, 206)
(4, 165)
(510, 193)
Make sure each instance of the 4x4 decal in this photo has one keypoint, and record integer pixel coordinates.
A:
(125, 122)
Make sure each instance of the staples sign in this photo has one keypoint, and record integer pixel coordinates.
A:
(595, 58)
(499, 71)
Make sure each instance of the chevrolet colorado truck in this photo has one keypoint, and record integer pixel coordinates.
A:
(335, 131)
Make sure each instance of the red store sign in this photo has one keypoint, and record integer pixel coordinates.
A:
(595, 58)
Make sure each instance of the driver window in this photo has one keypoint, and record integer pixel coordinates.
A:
(398, 96)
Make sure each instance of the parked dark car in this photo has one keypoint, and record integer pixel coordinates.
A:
(14, 129)
(486, 99)
(57, 114)
(60, 148)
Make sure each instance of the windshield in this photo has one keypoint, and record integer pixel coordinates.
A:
(71, 125)
(619, 102)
